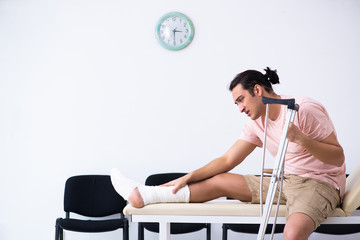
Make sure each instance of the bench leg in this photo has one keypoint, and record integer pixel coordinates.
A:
(164, 231)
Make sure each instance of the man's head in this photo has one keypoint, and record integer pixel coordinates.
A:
(250, 78)
(248, 88)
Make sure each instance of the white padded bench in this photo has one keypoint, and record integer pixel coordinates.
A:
(234, 211)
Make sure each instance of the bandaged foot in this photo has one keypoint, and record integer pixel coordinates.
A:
(123, 185)
(139, 195)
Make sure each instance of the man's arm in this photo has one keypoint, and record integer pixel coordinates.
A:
(328, 150)
(233, 157)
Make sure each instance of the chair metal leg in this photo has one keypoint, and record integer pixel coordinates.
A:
(58, 230)
(208, 231)
(140, 231)
(126, 230)
(224, 231)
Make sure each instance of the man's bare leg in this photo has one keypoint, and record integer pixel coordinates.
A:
(299, 226)
(221, 185)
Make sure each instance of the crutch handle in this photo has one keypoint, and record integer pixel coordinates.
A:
(289, 102)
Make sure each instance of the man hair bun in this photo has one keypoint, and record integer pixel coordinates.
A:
(271, 76)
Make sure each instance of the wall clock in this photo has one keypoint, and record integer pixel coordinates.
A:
(174, 31)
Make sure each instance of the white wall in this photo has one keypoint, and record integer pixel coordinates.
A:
(84, 87)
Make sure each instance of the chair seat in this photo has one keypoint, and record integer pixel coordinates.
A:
(78, 225)
(338, 229)
(176, 228)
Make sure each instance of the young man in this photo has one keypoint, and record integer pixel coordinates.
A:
(314, 172)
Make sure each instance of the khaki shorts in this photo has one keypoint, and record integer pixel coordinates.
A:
(313, 197)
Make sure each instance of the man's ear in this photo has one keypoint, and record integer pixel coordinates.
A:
(258, 90)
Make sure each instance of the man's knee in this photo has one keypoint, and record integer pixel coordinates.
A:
(228, 180)
(219, 182)
(299, 226)
(291, 233)
(220, 178)
(232, 185)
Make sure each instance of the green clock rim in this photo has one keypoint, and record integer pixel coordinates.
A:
(174, 14)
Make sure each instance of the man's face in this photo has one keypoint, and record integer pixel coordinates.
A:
(252, 106)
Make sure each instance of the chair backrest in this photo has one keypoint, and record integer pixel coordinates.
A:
(161, 178)
(352, 192)
(92, 196)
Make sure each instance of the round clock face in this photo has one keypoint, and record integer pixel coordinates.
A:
(174, 31)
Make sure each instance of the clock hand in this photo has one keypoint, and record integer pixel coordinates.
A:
(174, 31)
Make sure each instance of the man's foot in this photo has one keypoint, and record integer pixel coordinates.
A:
(135, 199)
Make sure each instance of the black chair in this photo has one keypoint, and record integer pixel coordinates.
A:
(175, 228)
(338, 229)
(92, 196)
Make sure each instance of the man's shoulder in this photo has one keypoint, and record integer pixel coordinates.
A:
(306, 103)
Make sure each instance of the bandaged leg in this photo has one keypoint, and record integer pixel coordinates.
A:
(123, 185)
(155, 194)
(149, 194)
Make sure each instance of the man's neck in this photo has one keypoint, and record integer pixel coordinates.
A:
(274, 109)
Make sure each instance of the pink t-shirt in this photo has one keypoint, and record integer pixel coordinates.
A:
(314, 121)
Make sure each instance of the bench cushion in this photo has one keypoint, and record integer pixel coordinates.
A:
(352, 192)
(212, 208)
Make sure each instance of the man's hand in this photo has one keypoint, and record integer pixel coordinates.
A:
(328, 150)
(294, 134)
(177, 183)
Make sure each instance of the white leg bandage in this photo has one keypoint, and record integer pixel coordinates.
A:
(150, 194)
(123, 185)
(155, 194)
